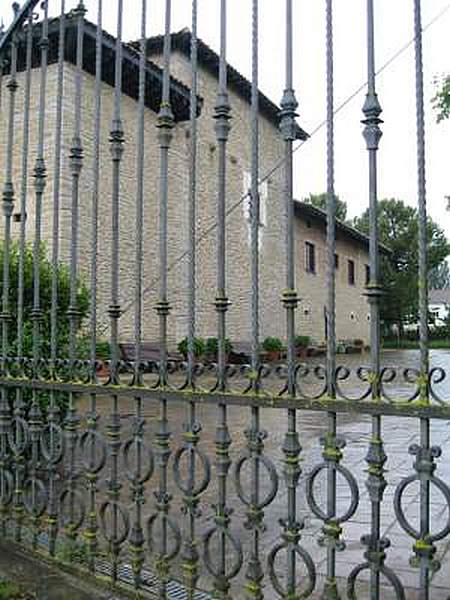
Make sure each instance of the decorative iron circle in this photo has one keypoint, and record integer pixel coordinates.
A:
(437, 375)
(52, 443)
(410, 375)
(170, 554)
(388, 573)
(237, 555)
(307, 560)
(273, 477)
(399, 512)
(93, 450)
(302, 371)
(118, 511)
(35, 496)
(195, 489)
(138, 475)
(6, 487)
(343, 373)
(18, 435)
(354, 491)
(68, 500)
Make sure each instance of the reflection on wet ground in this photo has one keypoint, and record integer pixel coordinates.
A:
(398, 433)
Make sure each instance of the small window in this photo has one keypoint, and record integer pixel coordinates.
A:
(351, 272)
(367, 274)
(17, 217)
(336, 261)
(310, 257)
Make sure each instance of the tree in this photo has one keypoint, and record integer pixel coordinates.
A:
(45, 271)
(398, 230)
(441, 101)
(439, 277)
(320, 201)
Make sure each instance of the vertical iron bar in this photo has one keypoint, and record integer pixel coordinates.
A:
(192, 427)
(114, 427)
(332, 453)
(192, 195)
(137, 481)
(40, 176)
(2, 68)
(376, 456)
(222, 440)
(254, 435)
(423, 548)
(54, 409)
(165, 125)
(291, 445)
(93, 416)
(73, 314)
(20, 433)
(5, 316)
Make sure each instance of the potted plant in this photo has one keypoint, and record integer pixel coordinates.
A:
(199, 347)
(273, 346)
(103, 354)
(301, 343)
(359, 344)
(211, 348)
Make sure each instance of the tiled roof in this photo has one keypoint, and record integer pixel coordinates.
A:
(309, 211)
(210, 61)
(179, 93)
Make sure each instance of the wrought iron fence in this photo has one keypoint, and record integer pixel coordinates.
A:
(55, 456)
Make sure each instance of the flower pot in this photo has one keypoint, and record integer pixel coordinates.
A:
(273, 355)
(302, 351)
(103, 370)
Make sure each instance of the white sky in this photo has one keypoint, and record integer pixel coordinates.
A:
(394, 26)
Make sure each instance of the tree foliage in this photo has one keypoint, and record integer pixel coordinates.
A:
(398, 230)
(45, 272)
(320, 201)
(441, 101)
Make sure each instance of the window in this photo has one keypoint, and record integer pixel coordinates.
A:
(310, 257)
(351, 272)
(336, 261)
(247, 206)
(367, 274)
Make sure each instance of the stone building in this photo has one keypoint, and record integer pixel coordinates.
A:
(310, 223)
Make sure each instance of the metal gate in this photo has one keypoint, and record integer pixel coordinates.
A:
(78, 460)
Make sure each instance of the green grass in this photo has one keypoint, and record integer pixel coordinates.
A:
(11, 591)
(413, 345)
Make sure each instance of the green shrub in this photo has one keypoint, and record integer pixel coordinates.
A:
(212, 345)
(199, 347)
(45, 272)
(11, 591)
(272, 344)
(302, 341)
(103, 350)
(63, 283)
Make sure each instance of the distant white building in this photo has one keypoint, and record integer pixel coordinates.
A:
(439, 305)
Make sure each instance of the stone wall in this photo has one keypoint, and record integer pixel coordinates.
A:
(352, 309)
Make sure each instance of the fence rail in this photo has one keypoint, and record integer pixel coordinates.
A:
(100, 469)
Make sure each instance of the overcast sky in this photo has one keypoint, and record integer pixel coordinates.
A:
(394, 28)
